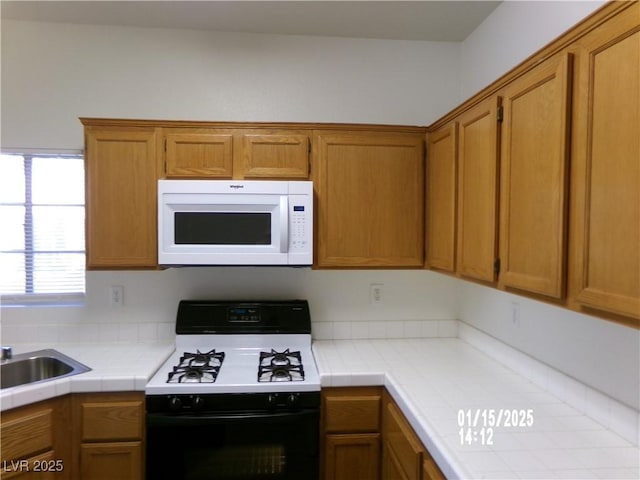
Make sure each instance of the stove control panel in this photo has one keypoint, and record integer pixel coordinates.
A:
(201, 404)
(288, 400)
(186, 402)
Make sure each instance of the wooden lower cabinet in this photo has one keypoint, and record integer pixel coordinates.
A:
(350, 441)
(111, 460)
(351, 456)
(365, 436)
(83, 436)
(36, 441)
(402, 450)
(403, 455)
(108, 435)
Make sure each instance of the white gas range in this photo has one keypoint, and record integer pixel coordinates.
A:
(237, 347)
(239, 398)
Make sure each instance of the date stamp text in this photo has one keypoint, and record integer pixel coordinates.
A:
(477, 426)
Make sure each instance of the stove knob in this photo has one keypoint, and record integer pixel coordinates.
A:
(175, 403)
(272, 400)
(292, 400)
(197, 403)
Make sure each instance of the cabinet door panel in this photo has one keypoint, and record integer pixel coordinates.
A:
(121, 176)
(275, 155)
(207, 154)
(391, 465)
(401, 442)
(107, 461)
(534, 179)
(353, 456)
(440, 236)
(478, 191)
(608, 233)
(370, 207)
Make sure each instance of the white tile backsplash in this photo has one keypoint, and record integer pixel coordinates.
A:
(115, 332)
(380, 329)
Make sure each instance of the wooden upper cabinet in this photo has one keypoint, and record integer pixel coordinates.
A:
(273, 154)
(478, 163)
(441, 178)
(220, 153)
(370, 199)
(534, 167)
(606, 186)
(198, 153)
(121, 205)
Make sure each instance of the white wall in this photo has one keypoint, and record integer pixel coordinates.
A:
(604, 355)
(515, 30)
(54, 73)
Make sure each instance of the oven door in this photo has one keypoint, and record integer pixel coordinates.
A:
(233, 446)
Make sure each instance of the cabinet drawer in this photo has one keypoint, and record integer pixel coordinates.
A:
(352, 411)
(112, 421)
(27, 435)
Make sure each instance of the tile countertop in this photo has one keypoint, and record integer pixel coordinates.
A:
(114, 368)
(442, 385)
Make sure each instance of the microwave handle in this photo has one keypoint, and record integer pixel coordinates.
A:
(284, 223)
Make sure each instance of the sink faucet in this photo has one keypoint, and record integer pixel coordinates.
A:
(6, 353)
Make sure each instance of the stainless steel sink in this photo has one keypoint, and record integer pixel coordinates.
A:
(40, 366)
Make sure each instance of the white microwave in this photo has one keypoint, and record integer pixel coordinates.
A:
(225, 222)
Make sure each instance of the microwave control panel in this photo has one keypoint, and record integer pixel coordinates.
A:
(300, 226)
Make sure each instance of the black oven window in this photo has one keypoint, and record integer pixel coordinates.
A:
(243, 445)
(222, 228)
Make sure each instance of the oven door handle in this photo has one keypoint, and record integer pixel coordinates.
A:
(161, 419)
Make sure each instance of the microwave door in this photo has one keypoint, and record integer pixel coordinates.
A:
(252, 230)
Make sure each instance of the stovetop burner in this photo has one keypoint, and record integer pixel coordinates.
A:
(283, 366)
(199, 367)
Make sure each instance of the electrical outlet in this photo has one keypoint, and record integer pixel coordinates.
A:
(116, 296)
(376, 293)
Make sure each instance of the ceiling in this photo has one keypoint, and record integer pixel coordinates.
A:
(401, 20)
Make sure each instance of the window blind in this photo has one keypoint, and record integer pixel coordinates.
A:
(42, 218)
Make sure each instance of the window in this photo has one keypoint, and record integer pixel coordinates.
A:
(42, 222)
